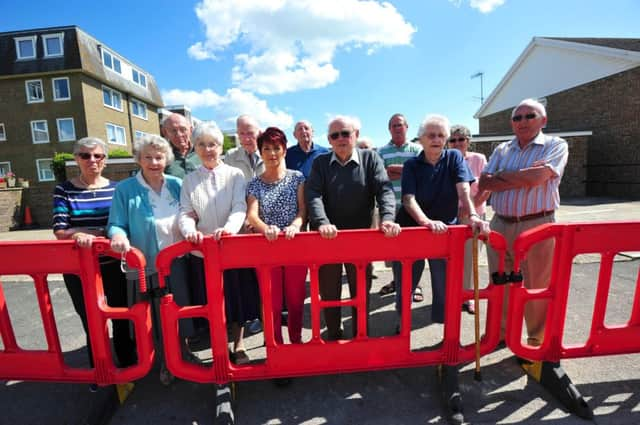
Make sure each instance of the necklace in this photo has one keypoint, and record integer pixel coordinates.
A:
(87, 186)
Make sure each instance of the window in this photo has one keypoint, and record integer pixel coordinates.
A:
(5, 167)
(111, 61)
(139, 78)
(140, 134)
(25, 47)
(3, 134)
(34, 91)
(139, 109)
(39, 131)
(66, 129)
(45, 174)
(53, 45)
(115, 134)
(112, 98)
(61, 88)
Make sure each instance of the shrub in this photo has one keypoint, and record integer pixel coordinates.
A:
(120, 153)
(57, 165)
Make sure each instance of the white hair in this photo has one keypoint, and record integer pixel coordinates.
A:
(435, 119)
(156, 142)
(354, 122)
(533, 104)
(208, 129)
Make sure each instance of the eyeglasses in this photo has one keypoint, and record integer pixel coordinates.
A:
(518, 118)
(87, 156)
(459, 139)
(338, 134)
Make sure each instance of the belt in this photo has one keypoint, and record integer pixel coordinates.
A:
(514, 219)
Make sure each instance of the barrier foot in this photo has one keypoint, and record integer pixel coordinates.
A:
(451, 395)
(224, 404)
(553, 377)
(106, 402)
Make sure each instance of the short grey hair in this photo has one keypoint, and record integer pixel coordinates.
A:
(354, 122)
(533, 104)
(90, 143)
(462, 130)
(155, 142)
(435, 119)
(208, 129)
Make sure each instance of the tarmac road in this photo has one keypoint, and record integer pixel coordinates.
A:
(611, 384)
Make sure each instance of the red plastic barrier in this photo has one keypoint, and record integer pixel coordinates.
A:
(606, 239)
(358, 247)
(38, 259)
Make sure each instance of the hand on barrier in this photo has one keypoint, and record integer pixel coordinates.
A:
(436, 226)
(390, 229)
(120, 243)
(194, 237)
(271, 232)
(328, 231)
(291, 231)
(83, 240)
(219, 233)
(479, 226)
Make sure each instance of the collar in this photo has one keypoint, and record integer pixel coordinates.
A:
(538, 140)
(144, 183)
(355, 157)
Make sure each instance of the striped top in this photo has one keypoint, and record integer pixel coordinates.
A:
(79, 207)
(392, 155)
(524, 201)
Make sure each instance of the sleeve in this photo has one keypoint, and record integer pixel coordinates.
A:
(462, 171)
(384, 190)
(557, 156)
(494, 159)
(238, 203)
(408, 178)
(61, 209)
(313, 190)
(118, 223)
(186, 218)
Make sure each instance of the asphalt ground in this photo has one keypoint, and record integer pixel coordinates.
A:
(611, 384)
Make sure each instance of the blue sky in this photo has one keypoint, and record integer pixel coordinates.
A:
(285, 60)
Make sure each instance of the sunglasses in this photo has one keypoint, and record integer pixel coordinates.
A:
(459, 139)
(86, 156)
(518, 118)
(338, 134)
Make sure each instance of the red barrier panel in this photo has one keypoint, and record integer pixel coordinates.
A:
(362, 353)
(38, 259)
(606, 239)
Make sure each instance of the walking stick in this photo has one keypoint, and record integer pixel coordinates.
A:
(476, 295)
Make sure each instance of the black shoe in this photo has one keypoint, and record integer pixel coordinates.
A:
(451, 395)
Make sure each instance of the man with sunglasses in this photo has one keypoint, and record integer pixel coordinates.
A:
(341, 192)
(523, 176)
(177, 130)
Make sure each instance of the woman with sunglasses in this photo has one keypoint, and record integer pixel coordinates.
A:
(460, 139)
(80, 212)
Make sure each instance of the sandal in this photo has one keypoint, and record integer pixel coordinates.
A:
(387, 289)
(417, 295)
(469, 307)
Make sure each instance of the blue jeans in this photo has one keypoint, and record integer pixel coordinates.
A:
(437, 269)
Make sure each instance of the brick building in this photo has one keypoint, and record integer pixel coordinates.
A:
(591, 89)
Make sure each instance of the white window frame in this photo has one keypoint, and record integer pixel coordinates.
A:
(8, 168)
(42, 177)
(33, 39)
(3, 132)
(112, 91)
(53, 89)
(73, 127)
(141, 76)
(114, 58)
(33, 134)
(60, 37)
(28, 93)
(116, 127)
(139, 133)
(140, 105)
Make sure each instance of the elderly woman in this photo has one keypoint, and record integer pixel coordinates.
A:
(213, 203)
(275, 204)
(80, 212)
(433, 183)
(144, 213)
(460, 139)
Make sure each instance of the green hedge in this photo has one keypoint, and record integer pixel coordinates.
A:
(57, 165)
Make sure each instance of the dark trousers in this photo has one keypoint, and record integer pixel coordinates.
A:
(330, 279)
(115, 289)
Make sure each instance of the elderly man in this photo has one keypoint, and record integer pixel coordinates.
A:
(394, 154)
(177, 130)
(246, 156)
(340, 193)
(523, 176)
(300, 157)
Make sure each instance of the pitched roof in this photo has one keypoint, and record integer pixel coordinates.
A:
(550, 65)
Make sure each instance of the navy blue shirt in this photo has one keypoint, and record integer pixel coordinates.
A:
(297, 159)
(434, 186)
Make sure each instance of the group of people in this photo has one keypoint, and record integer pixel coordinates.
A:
(185, 189)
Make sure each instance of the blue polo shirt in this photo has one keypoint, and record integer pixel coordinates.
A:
(297, 159)
(434, 186)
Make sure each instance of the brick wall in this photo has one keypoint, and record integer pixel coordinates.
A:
(610, 108)
(10, 208)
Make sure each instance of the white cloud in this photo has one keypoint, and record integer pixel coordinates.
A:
(228, 106)
(289, 45)
(484, 6)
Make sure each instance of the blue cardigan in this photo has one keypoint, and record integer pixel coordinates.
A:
(131, 215)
